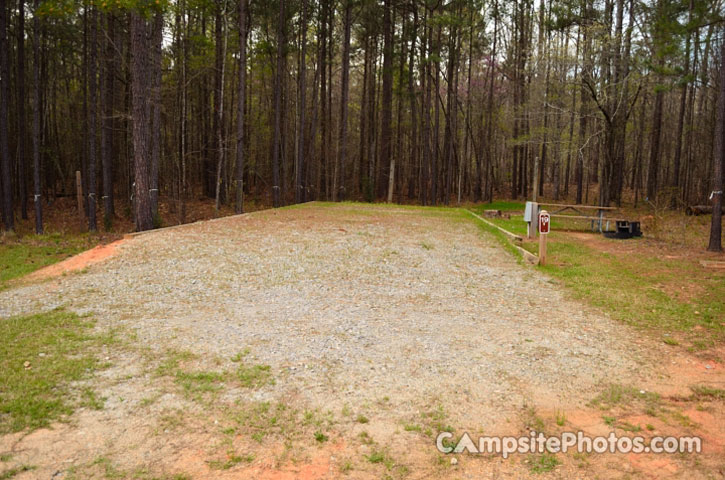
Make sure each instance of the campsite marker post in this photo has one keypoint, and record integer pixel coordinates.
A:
(544, 225)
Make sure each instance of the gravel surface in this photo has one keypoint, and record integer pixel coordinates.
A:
(350, 304)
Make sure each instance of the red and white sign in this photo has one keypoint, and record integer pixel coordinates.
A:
(544, 222)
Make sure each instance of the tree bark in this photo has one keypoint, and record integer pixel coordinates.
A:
(387, 102)
(277, 140)
(243, 22)
(7, 180)
(301, 127)
(344, 97)
(654, 158)
(436, 124)
(22, 190)
(425, 113)
(715, 244)
(489, 107)
(220, 70)
(141, 112)
(37, 186)
(583, 110)
(107, 96)
(92, 117)
(414, 140)
(681, 115)
(156, 44)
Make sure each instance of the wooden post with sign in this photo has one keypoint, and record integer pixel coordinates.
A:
(544, 226)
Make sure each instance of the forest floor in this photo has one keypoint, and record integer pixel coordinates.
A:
(335, 341)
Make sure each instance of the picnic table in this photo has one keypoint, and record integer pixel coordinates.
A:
(594, 213)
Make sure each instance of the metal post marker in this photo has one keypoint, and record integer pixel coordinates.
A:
(544, 226)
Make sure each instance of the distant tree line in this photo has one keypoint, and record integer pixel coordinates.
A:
(425, 101)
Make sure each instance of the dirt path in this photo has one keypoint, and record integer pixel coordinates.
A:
(336, 333)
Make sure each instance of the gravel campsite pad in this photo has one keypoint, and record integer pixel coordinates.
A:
(367, 320)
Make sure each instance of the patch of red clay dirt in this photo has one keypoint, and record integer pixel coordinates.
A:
(318, 467)
(77, 262)
(653, 466)
(194, 461)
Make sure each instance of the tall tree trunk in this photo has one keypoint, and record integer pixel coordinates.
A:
(301, 127)
(639, 154)
(489, 108)
(425, 113)
(141, 103)
(715, 244)
(182, 25)
(206, 138)
(478, 180)
(243, 22)
(583, 111)
(37, 186)
(7, 180)
(322, 60)
(84, 89)
(156, 44)
(387, 106)
(398, 151)
(571, 124)
(362, 156)
(344, 96)
(92, 117)
(107, 96)
(220, 70)
(654, 158)
(544, 55)
(414, 140)
(330, 157)
(372, 122)
(437, 119)
(22, 190)
(277, 138)
(450, 132)
(681, 116)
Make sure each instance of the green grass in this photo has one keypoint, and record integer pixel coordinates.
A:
(203, 385)
(628, 427)
(57, 346)
(381, 456)
(32, 252)
(500, 237)
(515, 224)
(196, 384)
(543, 463)
(8, 474)
(231, 461)
(104, 467)
(254, 376)
(503, 205)
(617, 394)
(630, 288)
(705, 392)
(412, 427)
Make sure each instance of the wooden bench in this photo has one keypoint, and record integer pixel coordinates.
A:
(593, 213)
